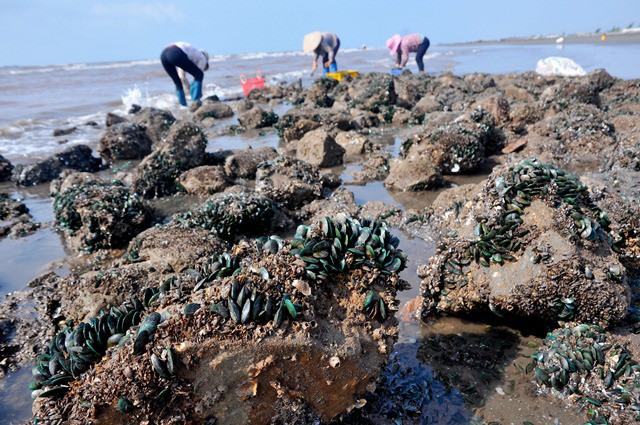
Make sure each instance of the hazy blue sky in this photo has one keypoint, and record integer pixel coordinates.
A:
(39, 32)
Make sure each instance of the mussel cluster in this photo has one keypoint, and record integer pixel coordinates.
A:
(498, 237)
(115, 215)
(228, 216)
(73, 351)
(334, 246)
(244, 305)
(582, 360)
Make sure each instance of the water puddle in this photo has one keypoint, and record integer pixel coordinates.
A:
(255, 140)
(15, 403)
(23, 259)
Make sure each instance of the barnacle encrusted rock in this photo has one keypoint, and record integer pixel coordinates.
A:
(289, 182)
(238, 336)
(97, 214)
(182, 148)
(15, 219)
(535, 246)
(593, 369)
(232, 215)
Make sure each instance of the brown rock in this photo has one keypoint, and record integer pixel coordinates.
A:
(205, 180)
(318, 148)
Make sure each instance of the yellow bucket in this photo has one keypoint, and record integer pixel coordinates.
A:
(340, 74)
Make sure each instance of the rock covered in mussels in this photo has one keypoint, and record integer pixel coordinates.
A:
(231, 215)
(78, 158)
(249, 336)
(594, 369)
(535, 246)
(183, 148)
(97, 214)
(124, 141)
(289, 182)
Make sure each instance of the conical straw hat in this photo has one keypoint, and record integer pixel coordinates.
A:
(311, 41)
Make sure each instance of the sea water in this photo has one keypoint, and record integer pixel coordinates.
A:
(36, 100)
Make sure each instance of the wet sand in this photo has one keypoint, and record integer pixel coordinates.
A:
(610, 38)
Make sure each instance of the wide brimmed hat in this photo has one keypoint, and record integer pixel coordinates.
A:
(311, 41)
(393, 43)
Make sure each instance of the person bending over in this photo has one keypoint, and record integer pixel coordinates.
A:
(323, 45)
(181, 58)
(402, 46)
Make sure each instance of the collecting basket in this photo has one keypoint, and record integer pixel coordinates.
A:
(249, 84)
(340, 74)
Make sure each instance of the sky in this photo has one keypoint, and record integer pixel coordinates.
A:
(46, 32)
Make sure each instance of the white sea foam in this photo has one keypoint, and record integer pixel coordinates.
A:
(82, 67)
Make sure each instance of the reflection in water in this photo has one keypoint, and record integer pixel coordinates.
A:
(469, 357)
(409, 393)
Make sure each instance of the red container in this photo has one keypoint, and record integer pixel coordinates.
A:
(249, 84)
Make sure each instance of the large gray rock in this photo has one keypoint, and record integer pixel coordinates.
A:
(113, 119)
(244, 163)
(319, 149)
(78, 158)
(410, 88)
(124, 141)
(183, 149)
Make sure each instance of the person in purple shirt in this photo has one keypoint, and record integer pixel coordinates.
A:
(402, 46)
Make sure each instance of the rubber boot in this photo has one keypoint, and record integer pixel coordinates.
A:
(196, 90)
(334, 67)
(181, 98)
(326, 70)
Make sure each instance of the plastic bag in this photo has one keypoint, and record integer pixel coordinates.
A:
(555, 65)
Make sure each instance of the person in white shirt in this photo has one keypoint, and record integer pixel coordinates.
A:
(181, 58)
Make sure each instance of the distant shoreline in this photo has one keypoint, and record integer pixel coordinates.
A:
(622, 37)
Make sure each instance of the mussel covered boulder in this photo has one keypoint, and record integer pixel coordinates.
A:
(232, 215)
(289, 182)
(372, 92)
(535, 247)
(124, 141)
(294, 328)
(156, 122)
(183, 148)
(98, 214)
(297, 121)
(78, 158)
(257, 117)
(457, 147)
(15, 219)
(596, 370)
